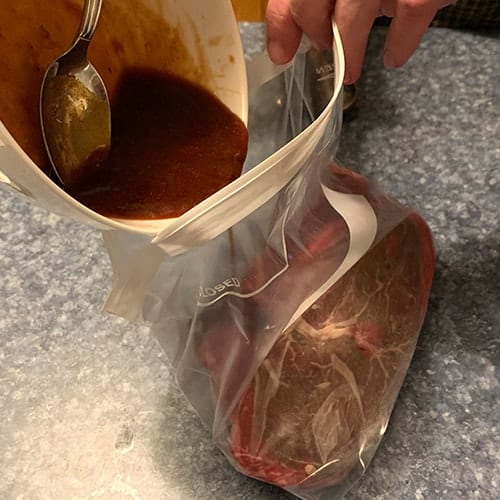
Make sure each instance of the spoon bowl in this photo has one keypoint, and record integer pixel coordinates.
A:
(75, 114)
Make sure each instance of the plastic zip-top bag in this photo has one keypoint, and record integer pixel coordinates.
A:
(290, 301)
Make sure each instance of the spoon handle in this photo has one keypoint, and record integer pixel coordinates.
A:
(91, 11)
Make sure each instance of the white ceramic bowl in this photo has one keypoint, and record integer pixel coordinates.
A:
(210, 32)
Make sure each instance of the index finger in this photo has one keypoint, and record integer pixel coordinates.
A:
(354, 19)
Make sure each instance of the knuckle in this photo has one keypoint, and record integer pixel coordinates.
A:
(416, 6)
(277, 13)
(298, 10)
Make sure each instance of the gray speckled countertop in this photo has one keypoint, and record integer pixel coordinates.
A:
(88, 404)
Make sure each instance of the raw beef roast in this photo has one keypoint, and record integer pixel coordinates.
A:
(315, 405)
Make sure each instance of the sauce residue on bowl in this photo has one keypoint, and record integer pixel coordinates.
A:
(173, 145)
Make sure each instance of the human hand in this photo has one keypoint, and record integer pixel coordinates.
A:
(287, 19)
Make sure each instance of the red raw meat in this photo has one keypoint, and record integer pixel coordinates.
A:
(315, 407)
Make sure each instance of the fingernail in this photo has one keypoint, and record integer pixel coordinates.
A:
(389, 60)
(277, 53)
(351, 75)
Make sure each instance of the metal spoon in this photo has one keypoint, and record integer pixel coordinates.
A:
(74, 107)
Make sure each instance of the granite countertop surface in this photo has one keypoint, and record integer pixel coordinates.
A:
(89, 407)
